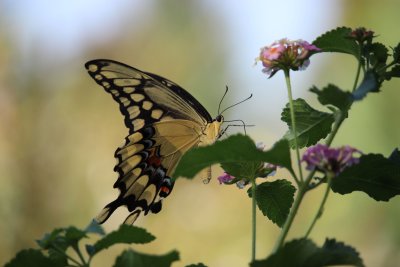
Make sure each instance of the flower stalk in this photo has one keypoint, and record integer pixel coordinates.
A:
(322, 205)
(293, 121)
(253, 220)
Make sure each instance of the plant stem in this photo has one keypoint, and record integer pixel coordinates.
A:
(321, 207)
(303, 188)
(77, 250)
(253, 220)
(62, 252)
(293, 120)
(338, 121)
(357, 75)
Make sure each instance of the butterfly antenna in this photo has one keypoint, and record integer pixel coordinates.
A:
(244, 125)
(220, 102)
(236, 104)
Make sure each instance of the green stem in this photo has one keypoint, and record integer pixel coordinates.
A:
(62, 252)
(253, 220)
(304, 187)
(321, 207)
(338, 121)
(293, 120)
(357, 75)
(78, 251)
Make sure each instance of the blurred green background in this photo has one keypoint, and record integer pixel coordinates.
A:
(59, 130)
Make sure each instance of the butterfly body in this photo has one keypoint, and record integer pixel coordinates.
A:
(164, 122)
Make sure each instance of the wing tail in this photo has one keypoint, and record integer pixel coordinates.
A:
(132, 217)
(106, 212)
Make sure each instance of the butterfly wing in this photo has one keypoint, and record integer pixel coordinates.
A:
(164, 121)
(144, 97)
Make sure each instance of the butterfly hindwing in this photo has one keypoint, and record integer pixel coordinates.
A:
(164, 121)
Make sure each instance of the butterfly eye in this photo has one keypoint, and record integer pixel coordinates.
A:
(219, 118)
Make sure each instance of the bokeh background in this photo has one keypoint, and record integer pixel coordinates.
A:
(59, 130)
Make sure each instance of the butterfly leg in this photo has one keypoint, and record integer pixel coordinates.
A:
(208, 179)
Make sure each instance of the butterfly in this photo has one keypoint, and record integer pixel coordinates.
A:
(164, 122)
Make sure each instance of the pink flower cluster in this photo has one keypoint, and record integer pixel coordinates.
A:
(286, 54)
(362, 34)
(225, 178)
(326, 159)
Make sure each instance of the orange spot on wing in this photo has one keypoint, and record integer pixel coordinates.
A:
(164, 189)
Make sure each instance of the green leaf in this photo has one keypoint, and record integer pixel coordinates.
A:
(369, 84)
(375, 175)
(335, 253)
(235, 149)
(73, 235)
(395, 156)
(274, 199)
(52, 238)
(311, 125)
(59, 259)
(95, 228)
(394, 72)
(293, 253)
(379, 54)
(242, 170)
(304, 253)
(196, 265)
(338, 40)
(334, 96)
(131, 258)
(31, 258)
(126, 234)
(396, 53)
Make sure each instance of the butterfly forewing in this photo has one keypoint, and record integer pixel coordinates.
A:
(164, 122)
(144, 97)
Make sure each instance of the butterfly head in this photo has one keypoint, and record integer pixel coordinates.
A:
(219, 119)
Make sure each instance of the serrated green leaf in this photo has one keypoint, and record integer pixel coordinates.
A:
(242, 170)
(49, 238)
(31, 258)
(335, 253)
(126, 234)
(396, 53)
(369, 84)
(338, 40)
(395, 156)
(293, 253)
(95, 228)
(375, 175)
(236, 148)
(58, 258)
(274, 199)
(379, 54)
(393, 72)
(304, 253)
(333, 95)
(311, 125)
(73, 235)
(131, 258)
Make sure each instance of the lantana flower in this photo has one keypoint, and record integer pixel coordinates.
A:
(225, 178)
(286, 54)
(333, 160)
(362, 34)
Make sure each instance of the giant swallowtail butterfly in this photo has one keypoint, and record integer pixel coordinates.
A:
(164, 122)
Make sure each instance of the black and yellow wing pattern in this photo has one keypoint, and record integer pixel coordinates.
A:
(164, 121)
